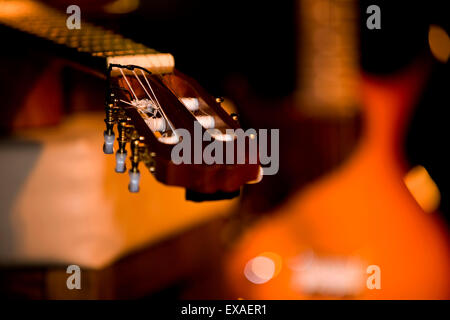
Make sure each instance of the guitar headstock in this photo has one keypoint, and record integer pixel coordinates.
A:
(178, 131)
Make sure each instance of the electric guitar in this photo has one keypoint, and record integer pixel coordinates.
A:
(364, 230)
(358, 232)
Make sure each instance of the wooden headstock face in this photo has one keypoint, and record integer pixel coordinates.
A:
(172, 124)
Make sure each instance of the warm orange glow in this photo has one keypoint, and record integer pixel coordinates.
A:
(73, 207)
(423, 188)
(439, 43)
(122, 6)
(276, 260)
(15, 9)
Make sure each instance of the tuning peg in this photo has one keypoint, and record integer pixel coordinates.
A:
(220, 99)
(108, 134)
(108, 145)
(134, 173)
(120, 162)
(191, 104)
(133, 186)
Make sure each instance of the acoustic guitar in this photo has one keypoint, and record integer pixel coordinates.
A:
(147, 101)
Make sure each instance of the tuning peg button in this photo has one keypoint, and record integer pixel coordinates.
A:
(120, 162)
(108, 146)
(133, 186)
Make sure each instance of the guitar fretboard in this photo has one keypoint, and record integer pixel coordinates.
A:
(47, 23)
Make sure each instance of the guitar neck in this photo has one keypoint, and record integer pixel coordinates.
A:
(92, 46)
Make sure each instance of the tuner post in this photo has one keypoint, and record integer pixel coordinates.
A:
(108, 134)
(109, 119)
(151, 163)
(122, 138)
(134, 155)
(110, 111)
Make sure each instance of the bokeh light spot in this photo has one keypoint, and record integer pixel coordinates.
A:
(259, 270)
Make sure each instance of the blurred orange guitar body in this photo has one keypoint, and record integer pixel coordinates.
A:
(357, 233)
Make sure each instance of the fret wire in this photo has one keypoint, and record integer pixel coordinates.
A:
(45, 22)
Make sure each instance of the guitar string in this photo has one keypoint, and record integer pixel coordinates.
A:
(156, 104)
(129, 86)
(139, 80)
(126, 102)
(143, 114)
(158, 109)
(159, 105)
